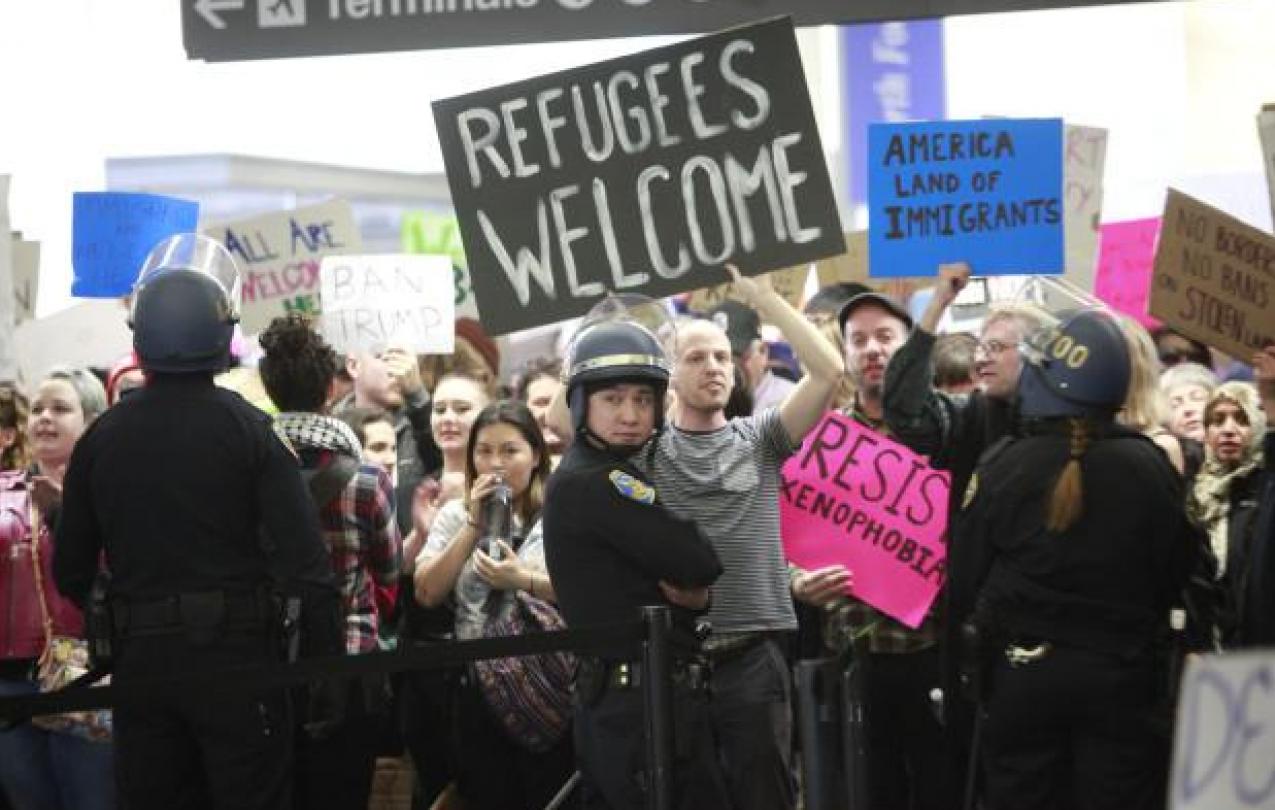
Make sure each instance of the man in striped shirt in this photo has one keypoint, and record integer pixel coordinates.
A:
(724, 475)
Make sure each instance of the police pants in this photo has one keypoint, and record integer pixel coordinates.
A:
(1075, 730)
(610, 748)
(207, 750)
(908, 764)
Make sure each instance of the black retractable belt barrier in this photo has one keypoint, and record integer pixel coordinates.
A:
(832, 728)
(651, 635)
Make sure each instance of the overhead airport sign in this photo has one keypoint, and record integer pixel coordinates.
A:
(232, 30)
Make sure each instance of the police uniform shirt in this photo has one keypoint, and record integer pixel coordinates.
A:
(609, 541)
(174, 482)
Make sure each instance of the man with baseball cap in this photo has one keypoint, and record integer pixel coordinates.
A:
(742, 326)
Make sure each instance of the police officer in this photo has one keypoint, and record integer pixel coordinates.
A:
(199, 508)
(611, 549)
(1076, 543)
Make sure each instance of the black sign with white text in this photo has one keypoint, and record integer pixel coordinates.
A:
(639, 174)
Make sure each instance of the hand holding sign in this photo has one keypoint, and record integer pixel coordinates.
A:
(402, 366)
(823, 585)
(749, 290)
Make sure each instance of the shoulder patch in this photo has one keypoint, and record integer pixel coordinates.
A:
(632, 488)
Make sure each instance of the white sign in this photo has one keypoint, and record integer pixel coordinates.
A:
(1266, 134)
(7, 366)
(1224, 751)
(92, 333)
(371, 303)
(1084, 157)
(26, 279)
(279, 255)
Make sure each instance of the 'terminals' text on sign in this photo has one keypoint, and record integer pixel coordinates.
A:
(1214, 277)
(855, 498)
(984, 192)
(372, 303)
(279, 255)
(638, 174)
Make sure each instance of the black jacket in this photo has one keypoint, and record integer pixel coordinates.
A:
(187, 488)
(1257, 621)
(609, 541)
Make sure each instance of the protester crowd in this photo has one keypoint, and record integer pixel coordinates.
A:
(1168, 520)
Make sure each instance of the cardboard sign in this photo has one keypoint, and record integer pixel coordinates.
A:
(849, 266)
(1214, 278)
(790, 283)
(26, 279)
(1084, 157)
(112, 233)
(1224, 746)
(984, 192)
(371, 303)
(439, 234)
(1266, 135)
(279, 256)
(640, 174)
(90, 333)
(855, 498)
(1125, 265)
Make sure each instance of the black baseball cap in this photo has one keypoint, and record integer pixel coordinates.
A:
(740, 322)
(880, 299)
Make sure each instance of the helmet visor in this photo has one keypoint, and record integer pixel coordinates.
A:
(193, 253)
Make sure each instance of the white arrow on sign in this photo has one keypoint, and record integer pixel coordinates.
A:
(208, 10)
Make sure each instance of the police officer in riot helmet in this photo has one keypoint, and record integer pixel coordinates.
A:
(212, 542)
(1076, 546)
(612, 548)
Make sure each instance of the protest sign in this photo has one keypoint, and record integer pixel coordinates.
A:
(1124, 267)
(790, 283)
(1266, 136)
(89, 333)
(984, 192)
(279, 257)
(852, 265)
(7, 316)
(439, 234)
(1214, 277)
(112, 232)
(371, 303)
(643, 174)
(1084, 156)
(1224, 746)
(855, 498)
(26, 279)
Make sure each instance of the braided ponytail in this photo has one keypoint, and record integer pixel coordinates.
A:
(1067, 501)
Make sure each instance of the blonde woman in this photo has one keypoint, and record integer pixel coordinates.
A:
(1145, 408)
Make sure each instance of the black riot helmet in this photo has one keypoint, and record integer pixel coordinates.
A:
(1078, 368)
(613, 347)
(185, 306)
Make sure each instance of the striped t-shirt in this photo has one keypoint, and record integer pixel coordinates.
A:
(727, 482)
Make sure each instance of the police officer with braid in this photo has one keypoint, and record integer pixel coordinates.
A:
(611, 549)
(1074, 544)
(208, 531)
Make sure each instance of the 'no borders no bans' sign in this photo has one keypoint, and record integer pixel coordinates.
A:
(640, 174)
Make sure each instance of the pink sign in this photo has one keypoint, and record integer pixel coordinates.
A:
(1124, 267)
(855, 498)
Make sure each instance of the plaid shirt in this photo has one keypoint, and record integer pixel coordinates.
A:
(364, 542)
(847, 619)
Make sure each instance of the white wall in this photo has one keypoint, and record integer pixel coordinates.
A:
(1178, 85)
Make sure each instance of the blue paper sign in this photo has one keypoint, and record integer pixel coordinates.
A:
(113, 231)
(984, 192)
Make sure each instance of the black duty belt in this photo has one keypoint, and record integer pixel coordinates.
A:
(628, 675)
(186, 611)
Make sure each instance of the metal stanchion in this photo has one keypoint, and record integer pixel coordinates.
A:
(657, 684)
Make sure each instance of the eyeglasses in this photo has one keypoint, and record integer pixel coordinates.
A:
(992, 348)
(1171, 357)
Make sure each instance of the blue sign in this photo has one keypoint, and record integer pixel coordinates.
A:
(984, 192)
(891, 71)
(113, 231)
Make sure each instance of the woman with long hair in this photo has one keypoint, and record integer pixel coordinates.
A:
(1145, 408)
(480, 575)
(39, 769)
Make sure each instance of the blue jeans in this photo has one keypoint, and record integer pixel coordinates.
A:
(43, 770)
